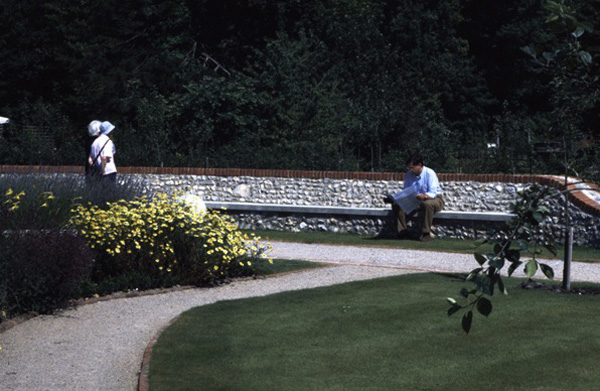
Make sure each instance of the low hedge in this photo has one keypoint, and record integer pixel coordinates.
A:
(42, 270)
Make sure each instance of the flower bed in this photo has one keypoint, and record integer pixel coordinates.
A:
(137, 243)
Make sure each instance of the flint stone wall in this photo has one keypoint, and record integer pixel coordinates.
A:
(458, 196)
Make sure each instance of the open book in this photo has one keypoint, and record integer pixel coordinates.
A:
(407, 199)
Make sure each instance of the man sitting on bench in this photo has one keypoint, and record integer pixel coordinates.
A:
(422, 183)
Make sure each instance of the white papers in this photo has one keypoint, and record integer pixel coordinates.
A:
(4, 120)
(407, 199)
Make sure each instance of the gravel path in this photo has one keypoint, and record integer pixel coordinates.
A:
(100, 346)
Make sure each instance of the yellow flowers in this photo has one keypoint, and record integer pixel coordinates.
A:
(45, 199)
(155, 233)
(11, 200)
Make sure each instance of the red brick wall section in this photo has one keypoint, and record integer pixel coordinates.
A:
(586, 204)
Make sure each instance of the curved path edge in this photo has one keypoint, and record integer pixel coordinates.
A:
(104, 345)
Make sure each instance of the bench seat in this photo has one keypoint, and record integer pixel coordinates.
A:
(351, 211)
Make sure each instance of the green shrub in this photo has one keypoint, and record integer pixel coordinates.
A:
(41, 271)
(162, 237)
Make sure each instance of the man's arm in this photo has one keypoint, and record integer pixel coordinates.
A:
(409, 180)
(433, 185)
(105, 160)
(106, 155)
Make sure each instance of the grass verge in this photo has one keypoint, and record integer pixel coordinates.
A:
(384, 334)
(465, 246)
(262, 267)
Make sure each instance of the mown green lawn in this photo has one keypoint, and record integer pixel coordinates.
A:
(263, 268)
(383, 334)
(581, 254)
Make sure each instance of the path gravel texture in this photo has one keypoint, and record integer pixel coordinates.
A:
(100, 346)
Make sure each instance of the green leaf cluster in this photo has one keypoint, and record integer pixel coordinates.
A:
(509, 251)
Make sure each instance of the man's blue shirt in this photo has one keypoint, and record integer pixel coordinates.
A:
(426, 183)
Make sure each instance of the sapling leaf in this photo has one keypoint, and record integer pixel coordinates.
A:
(513, 255)
(484, 284)
(484, 306)
(513, 267)
(497, 248)
(497, 263)
(467, 319)
(453, 309)
(480, 258)
(501, 286)
(473, 274)
(531, 267)
(547, 270)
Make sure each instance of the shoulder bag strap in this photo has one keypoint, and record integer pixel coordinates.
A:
(99, 152)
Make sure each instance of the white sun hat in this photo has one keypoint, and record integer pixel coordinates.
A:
(94, 128)
(106, 127)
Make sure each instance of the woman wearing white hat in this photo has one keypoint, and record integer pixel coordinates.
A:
(102, 153)
(91, 174)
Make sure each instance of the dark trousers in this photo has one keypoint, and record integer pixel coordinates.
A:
(110, 178)
(424, 215)
(108, 184)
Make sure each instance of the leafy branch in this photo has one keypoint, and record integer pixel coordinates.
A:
(574, 92)
(530, 213)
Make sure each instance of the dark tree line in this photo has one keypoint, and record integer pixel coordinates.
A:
(323, 85)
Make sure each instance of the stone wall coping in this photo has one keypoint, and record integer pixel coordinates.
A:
(250, 172)
(583, 194)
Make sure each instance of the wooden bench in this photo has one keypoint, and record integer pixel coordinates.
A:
(251, 207)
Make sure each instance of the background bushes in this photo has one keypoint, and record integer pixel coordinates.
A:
(329, 85)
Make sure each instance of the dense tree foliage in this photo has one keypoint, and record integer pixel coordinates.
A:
(324, 85)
